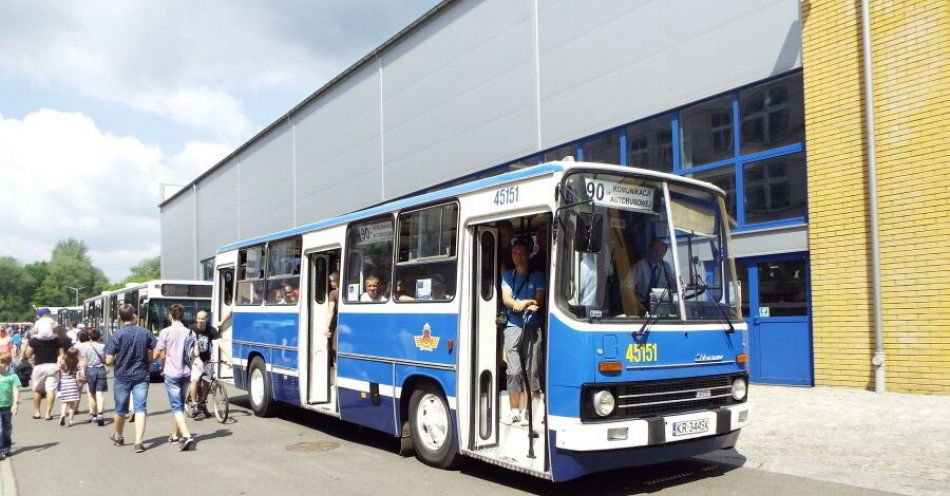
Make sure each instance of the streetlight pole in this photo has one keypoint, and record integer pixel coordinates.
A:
(77, 290)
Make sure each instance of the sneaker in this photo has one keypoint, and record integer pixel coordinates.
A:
(100, 421)
(186, 442)
(512, 418)
(138, 447)
(92, 419)
(62, 421)
(174, 439)
(524, 420)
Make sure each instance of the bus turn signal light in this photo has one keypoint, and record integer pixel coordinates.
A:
(742, 358)
(609, 367)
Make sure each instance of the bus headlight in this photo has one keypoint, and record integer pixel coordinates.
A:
(739, 389)
(604, 402)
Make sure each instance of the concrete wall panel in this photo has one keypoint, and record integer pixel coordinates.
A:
(178, 240)
(338, 147)
(266, 184)
(459, 95)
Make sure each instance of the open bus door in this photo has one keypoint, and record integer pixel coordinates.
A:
(223, 296)
(485, 339)
(320, 266)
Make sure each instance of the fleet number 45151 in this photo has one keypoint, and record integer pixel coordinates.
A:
(642, 353)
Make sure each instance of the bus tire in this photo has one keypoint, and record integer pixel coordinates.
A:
(258, 389)
(430, 420)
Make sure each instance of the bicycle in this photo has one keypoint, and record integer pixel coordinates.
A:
(216, 391)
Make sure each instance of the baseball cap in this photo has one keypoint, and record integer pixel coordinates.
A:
(42, 311)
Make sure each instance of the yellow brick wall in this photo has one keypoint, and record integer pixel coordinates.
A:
(911, 57)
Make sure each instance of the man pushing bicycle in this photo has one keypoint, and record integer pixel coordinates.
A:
(206, 336)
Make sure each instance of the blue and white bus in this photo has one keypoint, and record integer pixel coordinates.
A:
(633, 372)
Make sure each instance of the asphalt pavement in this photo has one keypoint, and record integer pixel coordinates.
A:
(300, 452)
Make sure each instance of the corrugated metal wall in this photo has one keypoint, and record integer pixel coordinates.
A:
(483, 83)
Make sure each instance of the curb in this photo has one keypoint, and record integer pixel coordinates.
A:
(851, 476)
(7, 482)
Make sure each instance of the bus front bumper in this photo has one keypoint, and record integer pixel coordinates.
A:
(573, 435)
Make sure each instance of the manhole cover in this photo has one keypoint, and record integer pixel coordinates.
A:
(313, 446)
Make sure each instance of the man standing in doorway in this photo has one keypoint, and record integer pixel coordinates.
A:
(522, 291)
(207, 337)
(130, 351)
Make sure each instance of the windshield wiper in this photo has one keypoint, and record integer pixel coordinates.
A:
(652, 318)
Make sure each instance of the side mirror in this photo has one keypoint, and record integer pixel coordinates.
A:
(588, 236)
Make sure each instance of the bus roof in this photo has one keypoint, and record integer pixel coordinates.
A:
(451, 191)
(141, 285)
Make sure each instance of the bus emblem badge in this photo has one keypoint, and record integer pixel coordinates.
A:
(426, 342)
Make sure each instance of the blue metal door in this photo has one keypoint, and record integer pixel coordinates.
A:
(777, 305)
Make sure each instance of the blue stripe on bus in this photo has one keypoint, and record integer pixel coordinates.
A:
(573, 358)
(393, 335)
(275, 328)
(403, 203)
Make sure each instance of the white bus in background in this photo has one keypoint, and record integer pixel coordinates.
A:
(151, 301)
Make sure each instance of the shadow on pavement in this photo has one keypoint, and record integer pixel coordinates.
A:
(38, 447)
(646, 479)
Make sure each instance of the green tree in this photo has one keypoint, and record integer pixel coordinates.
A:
(16, 286)
(69, 265)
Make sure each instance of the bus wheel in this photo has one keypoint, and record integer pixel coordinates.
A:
(431, 422)
(259, 389)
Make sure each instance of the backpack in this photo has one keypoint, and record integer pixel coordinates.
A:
(188, 349)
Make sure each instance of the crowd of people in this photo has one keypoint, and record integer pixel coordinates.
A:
(62, 362)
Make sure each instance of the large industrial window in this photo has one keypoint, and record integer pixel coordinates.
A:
(207, 269)
(775, 188)
(772, 114)
(650, 144)
(605, 149)
(426, 263)
(559, 153)
(706, 131)
(283, 272)
(369, 260)
(250, 286)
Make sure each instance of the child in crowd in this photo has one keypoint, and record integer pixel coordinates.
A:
(9, 397)
(68, 386)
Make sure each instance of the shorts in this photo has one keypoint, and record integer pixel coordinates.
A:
(177, 389)
(513, 337)
(96, 379)
(201, 370)
(45, 377)
(121, 389)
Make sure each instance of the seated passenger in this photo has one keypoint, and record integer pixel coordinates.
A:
(652, 272)
(373, 293)
(277, 297)
(438, 288)
(291, 294)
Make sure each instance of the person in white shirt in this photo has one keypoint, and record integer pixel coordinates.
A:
(373, 293)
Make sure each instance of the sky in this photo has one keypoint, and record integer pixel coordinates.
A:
(102, 101)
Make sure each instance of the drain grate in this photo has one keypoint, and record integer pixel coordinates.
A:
(310, 446)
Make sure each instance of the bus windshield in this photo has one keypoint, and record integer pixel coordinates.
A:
(617, 260)
(158, 312)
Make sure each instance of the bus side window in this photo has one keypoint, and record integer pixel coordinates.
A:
(283, 272)
(369, 260)
(426, 264)
(250, 288)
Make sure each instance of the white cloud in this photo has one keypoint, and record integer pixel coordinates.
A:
(192, 61)
(64, 177)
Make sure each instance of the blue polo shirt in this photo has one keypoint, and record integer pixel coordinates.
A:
(128, 345)
(522, 287)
